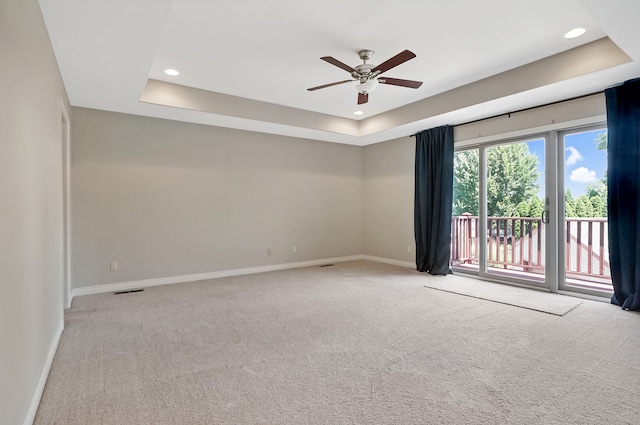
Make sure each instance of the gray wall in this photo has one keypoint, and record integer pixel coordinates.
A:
(164, 198)
(31, 297)
(388, 179)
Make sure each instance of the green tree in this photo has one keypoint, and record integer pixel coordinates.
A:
(569, 204)
(523, 209)
(530, 208)
(597, 194)
(599, 189)
(584, 208)
(601, 141)
(599, 206)
(512, 179)
(536, 208)
(594, 189)
(465, 182)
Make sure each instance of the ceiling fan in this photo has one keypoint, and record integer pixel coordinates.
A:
(368, 75)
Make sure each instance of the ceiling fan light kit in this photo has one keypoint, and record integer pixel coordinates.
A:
(368, 86)
(367, 74)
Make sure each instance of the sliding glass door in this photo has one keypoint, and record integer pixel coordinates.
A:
(533, 211)
(498, 228)
(465, 240)
(515, 198)
(584, 241)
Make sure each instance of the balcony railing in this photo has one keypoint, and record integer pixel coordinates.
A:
(517, 244)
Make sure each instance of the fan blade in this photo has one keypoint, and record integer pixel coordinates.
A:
(336, 62)
(398, 59)
(330, 84)
(362, 98)
(398, 82)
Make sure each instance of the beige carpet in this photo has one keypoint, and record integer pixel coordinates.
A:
(355, 343)
(505, 294)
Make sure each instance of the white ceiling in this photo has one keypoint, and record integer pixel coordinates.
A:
(245, 56)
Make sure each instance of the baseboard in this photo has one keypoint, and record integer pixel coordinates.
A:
(42, 380)
(145, 283)
(391, 261)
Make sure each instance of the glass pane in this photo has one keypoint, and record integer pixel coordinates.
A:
(515, 203)
(464, 225)
(586, 224)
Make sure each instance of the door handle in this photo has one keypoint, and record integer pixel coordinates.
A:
(545, 216)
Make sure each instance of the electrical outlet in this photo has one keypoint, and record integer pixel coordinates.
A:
(113, 266)
(268, 252)
(409, 248)
(294, 249)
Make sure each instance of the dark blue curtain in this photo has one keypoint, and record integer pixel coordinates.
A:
(433, 199)
(623, 182)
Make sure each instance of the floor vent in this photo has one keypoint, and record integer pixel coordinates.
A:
(326, 265)
(128, 292)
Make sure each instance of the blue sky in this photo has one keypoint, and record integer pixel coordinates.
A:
(584, 164)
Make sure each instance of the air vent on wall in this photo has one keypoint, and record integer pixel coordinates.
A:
(128, 292)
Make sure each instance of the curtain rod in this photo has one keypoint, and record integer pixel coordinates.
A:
(508, 114)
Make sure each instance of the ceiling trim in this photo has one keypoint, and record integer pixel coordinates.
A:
(194, 99)
(577, 62)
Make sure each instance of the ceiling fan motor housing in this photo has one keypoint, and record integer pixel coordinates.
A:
(363, 72)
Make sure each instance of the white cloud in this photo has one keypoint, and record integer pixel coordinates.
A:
(574, 156)
(583, 175)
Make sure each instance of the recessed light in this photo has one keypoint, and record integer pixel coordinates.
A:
(171, 72)
(358, 112)
(576, 32)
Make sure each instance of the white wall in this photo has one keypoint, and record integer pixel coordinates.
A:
(165, 198)
(31, 297)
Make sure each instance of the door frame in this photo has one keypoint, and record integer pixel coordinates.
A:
(483, 213)
(554, 194)
(65, 136)
(560, 213)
